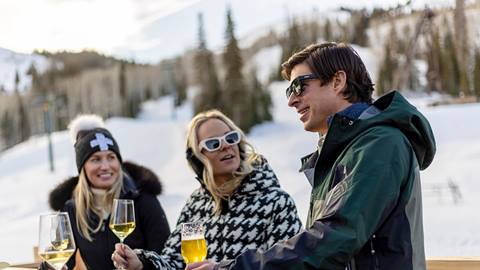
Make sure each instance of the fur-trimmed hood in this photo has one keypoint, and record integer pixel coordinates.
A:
(145, 181)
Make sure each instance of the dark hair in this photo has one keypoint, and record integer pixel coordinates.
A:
(326, 59)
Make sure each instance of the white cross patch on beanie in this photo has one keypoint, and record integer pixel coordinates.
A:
(101, 141)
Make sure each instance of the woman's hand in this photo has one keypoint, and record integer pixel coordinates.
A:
(124, 256)
(205, 265)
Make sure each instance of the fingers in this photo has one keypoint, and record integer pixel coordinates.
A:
(118, 259)
(205, 265)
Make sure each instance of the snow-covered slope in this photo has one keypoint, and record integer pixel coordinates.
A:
(11, 62)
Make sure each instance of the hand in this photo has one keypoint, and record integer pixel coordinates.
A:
(205, 265)
(124, 256)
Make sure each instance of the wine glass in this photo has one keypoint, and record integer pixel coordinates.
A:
(122, 221)
(55, 242)
(194, 246)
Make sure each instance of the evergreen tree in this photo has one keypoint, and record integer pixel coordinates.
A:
(450, 71)
(23, 123)
(236, 96)
(461, 42)
(290, 44)
(434, 56)
(122, 89)
(327, 30)
(388, 66)
(210, 94)
(476, 75)
(261, 101)
(180, 82)
(7, 128)
(361, 21)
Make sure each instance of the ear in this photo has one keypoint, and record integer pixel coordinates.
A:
(340, 81)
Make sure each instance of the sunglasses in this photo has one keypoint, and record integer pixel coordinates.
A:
(297, 85)
(213, 144)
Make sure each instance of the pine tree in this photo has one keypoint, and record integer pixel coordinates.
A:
(23, 124)
(236, 95)
(388, 65)
(461, 42)
(476, 75)
(210, 93)
(361, 22)
(434, 55)
(180, 82)
(7, 128)
(261, 101)
(290, 44)
(327, 30)
(122, 89)
(450, 71)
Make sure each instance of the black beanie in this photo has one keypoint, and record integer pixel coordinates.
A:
(94, 140)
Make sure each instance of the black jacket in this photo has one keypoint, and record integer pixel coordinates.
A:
(151, 232)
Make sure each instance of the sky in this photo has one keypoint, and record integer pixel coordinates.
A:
(139, 28)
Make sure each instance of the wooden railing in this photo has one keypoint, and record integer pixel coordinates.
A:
(453, 263)
(439, 263)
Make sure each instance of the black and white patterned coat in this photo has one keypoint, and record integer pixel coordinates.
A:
(259, 214)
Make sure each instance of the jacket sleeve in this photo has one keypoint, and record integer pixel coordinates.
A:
(171, 257)
(285, 221)
(154, 223)
(372, 175)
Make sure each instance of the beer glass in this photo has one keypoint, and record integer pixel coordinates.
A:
(55, 242)
(194, 246)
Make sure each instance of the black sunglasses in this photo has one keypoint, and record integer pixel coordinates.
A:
(214, 143)
(297, 85)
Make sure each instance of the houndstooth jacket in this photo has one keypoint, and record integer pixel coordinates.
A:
(258, 215)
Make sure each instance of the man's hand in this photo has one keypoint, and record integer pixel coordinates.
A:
(205, 265)
(123, 256)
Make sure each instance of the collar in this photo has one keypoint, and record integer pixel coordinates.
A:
(352, 112)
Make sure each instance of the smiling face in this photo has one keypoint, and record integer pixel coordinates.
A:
(225, 160)
(317, 102)
(102, 169)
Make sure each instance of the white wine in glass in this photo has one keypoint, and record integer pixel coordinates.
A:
(122, 221)
(194, 246)
(55, 242)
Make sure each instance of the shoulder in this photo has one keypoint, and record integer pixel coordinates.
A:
(145, 179)
(382, 137)
(62, 193)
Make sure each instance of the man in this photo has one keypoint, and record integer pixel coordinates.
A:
(365, 207)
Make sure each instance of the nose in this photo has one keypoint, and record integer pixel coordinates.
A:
(224, 145)
(104, 164)
(293, 100)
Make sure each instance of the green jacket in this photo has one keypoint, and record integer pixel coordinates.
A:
(365, 207)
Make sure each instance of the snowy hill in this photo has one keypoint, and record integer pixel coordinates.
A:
(157, 140)
(10, 62)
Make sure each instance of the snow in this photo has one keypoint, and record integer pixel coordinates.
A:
(10, 62)
(156, 139)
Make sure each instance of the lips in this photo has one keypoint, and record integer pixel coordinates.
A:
(105, 176)
(303, 113)
(227, 157)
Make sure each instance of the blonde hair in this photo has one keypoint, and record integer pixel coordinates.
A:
(84, 203)
(248, 157)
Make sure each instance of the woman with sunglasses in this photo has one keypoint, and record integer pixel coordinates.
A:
(239, 199)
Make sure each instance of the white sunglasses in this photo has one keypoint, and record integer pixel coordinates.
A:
(214, 143)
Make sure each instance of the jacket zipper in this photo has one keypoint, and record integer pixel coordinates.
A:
(376, 265)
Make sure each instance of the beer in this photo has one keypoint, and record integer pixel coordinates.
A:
(194, 246)
(194, 250)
